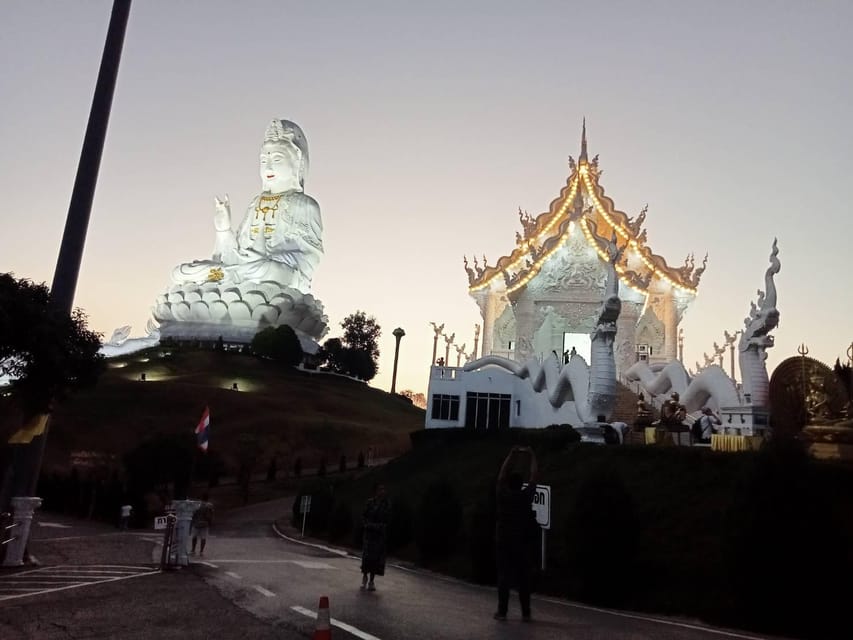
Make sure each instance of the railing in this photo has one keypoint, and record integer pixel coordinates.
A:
(6, 527)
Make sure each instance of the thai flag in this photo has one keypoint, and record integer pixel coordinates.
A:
(202, 430)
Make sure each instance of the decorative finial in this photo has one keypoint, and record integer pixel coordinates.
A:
(583, 156)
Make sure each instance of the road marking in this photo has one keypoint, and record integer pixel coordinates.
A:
(233, 575)
(672, 623)
(336, 623)
(265, 592)
(209, 564)
(305, 564)
(309, 564)
(54, 525)
(90, 580)
(338, 552)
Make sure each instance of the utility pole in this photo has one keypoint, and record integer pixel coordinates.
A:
(77, 222)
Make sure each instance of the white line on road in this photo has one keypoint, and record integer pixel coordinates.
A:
(336, 623)
(209, 564)
(233, 575)
(265, 592)
(672, 623)
(76, 585)
(338, 552)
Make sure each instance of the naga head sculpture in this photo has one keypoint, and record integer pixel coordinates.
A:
(764, 316)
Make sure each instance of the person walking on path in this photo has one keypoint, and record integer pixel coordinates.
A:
(202, 520)
(512, 537)
(375, 518)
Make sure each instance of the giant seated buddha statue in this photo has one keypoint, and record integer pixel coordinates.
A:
(260, 273)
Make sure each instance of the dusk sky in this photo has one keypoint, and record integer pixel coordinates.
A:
(428, 125)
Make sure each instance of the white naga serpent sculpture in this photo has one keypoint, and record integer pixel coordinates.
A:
(713, 387)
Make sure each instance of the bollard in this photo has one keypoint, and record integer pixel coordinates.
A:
(17, 534)
(184, 510)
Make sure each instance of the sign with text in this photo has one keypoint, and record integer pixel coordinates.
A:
(542, 505)
(160, 522)
(305, 504)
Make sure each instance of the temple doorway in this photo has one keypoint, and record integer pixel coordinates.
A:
(580, 342)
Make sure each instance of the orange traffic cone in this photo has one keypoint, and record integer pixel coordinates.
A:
(323, 630)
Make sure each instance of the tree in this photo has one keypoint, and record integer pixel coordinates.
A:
(279, 344)
(362, 333)
(46, 352)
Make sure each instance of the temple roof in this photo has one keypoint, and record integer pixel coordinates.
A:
(583, 202)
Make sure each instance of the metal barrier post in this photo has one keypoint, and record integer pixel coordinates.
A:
(168, 541)
(17, 534)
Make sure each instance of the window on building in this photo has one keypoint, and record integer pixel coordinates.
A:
(487, 411)
(445, 407)
(518, 408)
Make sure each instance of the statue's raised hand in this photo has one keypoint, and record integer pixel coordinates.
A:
(222, 217)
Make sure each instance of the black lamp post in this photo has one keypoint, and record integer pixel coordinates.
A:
(398, 334)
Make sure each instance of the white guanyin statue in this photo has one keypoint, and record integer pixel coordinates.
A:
(260, 273)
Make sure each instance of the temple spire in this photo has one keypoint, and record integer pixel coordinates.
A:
(583, 156)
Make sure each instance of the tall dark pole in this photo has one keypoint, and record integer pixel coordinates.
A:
(77, 221)
(398, 333)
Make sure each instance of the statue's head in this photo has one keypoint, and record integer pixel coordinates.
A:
(284, 157)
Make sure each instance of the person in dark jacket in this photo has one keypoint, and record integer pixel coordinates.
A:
(375, 518)
(512, 536)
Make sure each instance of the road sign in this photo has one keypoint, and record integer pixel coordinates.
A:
(160, 522)
(305, 504)
(542, 505)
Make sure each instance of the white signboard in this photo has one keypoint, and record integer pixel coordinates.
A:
(305, 504)
(542, 505)
(160, 522)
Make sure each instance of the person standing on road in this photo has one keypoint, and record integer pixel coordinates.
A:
(202, 520)
(375, 518)
(512, 539)
(124, 520)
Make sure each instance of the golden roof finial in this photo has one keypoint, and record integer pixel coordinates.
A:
(583, 156)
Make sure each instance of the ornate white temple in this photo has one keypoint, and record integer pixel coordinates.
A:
(550, 285)
(579, 300)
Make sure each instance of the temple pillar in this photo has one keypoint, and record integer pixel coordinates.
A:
(523, 327)
(488, 310)
(625, 347)
(670, 324)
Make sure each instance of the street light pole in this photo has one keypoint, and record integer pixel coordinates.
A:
(398, 334)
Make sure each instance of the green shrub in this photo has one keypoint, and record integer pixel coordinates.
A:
(401, 526)
(340, 522)
(601, 539)
(439, 522)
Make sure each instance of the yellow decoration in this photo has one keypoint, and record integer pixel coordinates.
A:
(216, 275)
(33, 428)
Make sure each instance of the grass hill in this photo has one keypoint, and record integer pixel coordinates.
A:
(289, 412)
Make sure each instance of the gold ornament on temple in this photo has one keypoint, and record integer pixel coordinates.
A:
(216, 275)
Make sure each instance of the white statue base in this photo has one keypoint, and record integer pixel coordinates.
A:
(236, 312)
(745, 420)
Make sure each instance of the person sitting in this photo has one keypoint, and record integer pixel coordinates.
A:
(280, 237)
(673, 413)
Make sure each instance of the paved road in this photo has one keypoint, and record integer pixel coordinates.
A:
(281, 581)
